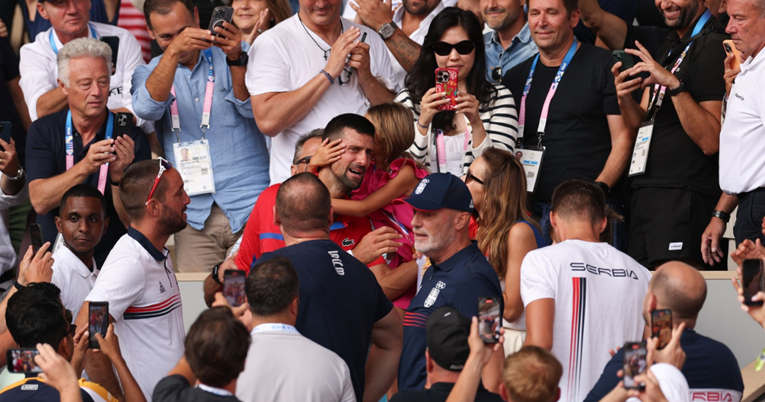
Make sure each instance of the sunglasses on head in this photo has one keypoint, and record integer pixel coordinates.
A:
(496, 73)
(163, 165)
(444, 49)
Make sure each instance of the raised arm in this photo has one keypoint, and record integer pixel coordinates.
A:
(610, 29)
(400, 185)
(376, 13)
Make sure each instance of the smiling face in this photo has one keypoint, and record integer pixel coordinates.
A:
(247, 13)
(746, 26)
(82, 222)
(500, 14)
(349, 170)
(550, 24)
(678, 14)
(463, 63)
(68, 17)
(88, 90)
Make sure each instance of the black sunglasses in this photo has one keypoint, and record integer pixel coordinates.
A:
(444, 49)
(496, 73)
(469, 176)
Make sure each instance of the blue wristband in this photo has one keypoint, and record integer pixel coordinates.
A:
(329, 77)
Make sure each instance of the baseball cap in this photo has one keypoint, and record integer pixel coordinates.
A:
(441, 190)
(447, 338)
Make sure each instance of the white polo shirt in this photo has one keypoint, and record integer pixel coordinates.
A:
(598, 293)
(73, 278)
(742, 139)
(139, 283)
(285, 58)
(39, 69)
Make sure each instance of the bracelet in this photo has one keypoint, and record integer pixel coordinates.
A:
(329, 77)
(17, 285)
(114, 183)
(418, 123)
(721, 215)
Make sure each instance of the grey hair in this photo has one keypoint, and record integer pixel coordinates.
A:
(82, 47)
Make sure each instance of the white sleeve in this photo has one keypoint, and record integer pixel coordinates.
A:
(348, 393)
(7, 201)
(130, 57)
(38, 76)
(268, 68)
(120, 283)
(536, 279)
(502, 127)
(418, 149)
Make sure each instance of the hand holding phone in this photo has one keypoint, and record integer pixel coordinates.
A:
(98, 322)
(752, 280)
(233, 287)
(661, 326)
(35, 236)
(634, 362)
(489, 320)
(220, 14)
(446, 81)
(620, 56)
(730, 48)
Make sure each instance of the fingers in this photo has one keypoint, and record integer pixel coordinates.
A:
(41, 252)
(80, 334)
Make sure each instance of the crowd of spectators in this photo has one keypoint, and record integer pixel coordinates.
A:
(371, 170)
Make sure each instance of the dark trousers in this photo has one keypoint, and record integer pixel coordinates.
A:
(751, 211)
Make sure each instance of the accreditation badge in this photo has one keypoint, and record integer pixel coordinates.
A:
(531, 159)
(192, 159)
(642, 146)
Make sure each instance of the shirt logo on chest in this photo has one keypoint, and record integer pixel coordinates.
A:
(161, 288)
(348, 242)
(433, 295)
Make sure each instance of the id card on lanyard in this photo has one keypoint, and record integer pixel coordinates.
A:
(645, 132)
(192, 158)
(531, 157)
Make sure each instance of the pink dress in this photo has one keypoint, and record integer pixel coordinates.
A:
(397, 215)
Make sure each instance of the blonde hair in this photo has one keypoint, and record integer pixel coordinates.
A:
(532, 375)
(394, 130)
(503, 205)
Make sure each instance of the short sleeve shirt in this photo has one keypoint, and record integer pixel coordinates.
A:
(73, 278)
(144, 299)
(577, 137)
(340, 300)
(457, 282)
(46, 157)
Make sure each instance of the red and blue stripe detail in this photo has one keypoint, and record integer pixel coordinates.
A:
(577, 338)
(155, 310)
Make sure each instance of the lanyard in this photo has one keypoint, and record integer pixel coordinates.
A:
(207, 108)
(550, 93)
(53, 41)
(214, 391)
(660, 90)
(275, 328)
(69, 137)
(441, 145)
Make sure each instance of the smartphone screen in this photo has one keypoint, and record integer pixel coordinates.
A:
(114, 44)
(751, 272)
(220, 14)
(22, 361)
(446, 81)
(661, 326)
(489, 320)
(98, 322)
(35, 236)
(634, 364)
(233, 287)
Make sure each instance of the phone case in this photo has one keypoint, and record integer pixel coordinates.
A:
(98, 322)
(446, 81)
(123, 124)
(730, 47)
(220, 14)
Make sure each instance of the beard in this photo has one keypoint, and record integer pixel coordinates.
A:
(686, 17)
(171, 222)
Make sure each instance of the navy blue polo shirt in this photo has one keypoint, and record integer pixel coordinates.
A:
(458, 282)
(340, 300)
(46, 158)
(32, 388)
(710, 368)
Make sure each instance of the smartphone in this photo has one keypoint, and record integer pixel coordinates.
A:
(751, 272)
(114, 43)
(123, 124)
(22, 361)
(220, 14)
(489, 320)
(661, 326)
(730, 48)
(233, 287)
(446, 81)
(5, 132)
(35, 236)
(98, 322)
(634, 364)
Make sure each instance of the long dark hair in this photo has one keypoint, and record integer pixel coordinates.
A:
(422, 77)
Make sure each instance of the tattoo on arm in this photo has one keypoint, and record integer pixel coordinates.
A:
(404, 49)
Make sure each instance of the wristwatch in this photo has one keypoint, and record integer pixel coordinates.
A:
(240, 62)
(604, 187)
(215, 273)
(721, 215)
(680, 89)
(18, 174)
(387, 30)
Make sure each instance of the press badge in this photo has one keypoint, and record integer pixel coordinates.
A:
(531, 159)
(642, 146)
(192, 159)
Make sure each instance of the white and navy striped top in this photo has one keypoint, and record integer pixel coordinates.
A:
(500, 120)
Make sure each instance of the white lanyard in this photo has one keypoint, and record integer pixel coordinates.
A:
(213, 390)
(441, 145)
(69, 138)
(550, 94)
(53, 41)
(275, 328)
(207, 108)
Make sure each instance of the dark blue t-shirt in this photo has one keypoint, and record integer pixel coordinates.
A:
(46, 158)
(458, 282)
(340, 300)
(710, 368)
(31, 389)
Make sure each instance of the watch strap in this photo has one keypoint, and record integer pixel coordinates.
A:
(680, 89)
(215, 274)
(241, 61)
(721, 215)
(387, 30)
(19, 173)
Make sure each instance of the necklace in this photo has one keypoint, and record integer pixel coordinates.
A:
(326, 51)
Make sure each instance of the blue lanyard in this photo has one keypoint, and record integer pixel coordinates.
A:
(52, 40)
(69, 139)
(550, 94)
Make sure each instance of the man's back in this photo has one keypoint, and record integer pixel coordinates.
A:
(33, 389)
(285, 366)
(340, 300)
(710, 368)
(598, 293)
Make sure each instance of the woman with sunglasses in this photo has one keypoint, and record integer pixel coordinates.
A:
(484, 116)
(506, 231)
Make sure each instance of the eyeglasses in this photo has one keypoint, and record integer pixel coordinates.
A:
(305, 160)
(348, 72)
(469, 176)
(68, 315)
(444, 49)
(163, 165)
(496, 73)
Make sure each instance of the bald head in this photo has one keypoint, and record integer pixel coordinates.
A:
(303, 205)
(680, 288)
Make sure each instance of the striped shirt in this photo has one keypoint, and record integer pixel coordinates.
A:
(500, 120)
